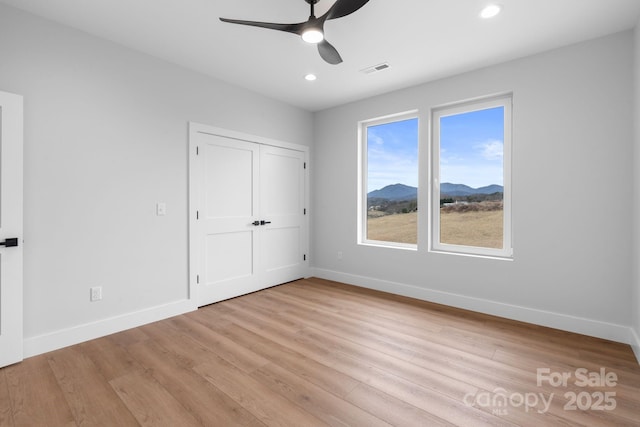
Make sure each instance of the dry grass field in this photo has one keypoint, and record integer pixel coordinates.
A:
(400, 228)
(474, 228)
(480, 228)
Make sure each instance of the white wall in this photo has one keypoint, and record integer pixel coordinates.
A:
(572, 192)
(105, 139)
(636, 192)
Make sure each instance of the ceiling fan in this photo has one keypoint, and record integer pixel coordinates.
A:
(312, 30)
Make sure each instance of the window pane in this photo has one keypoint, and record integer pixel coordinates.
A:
(392, 181)
(472, 178)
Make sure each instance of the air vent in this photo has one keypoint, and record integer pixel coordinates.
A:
(375, 68)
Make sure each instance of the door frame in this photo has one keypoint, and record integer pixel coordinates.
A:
(11, 282)
(198, 128)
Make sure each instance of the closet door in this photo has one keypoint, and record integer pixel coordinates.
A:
(248, 226)
(228, 245)
(282, 206)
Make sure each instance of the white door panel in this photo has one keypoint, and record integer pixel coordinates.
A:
(10, 227)
(288, 253)
(228, 256)
(282, 189)
(228, 183)
(230, 180)
(282, 199)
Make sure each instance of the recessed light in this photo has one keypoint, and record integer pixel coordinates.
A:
(490, 11)
(310, 77)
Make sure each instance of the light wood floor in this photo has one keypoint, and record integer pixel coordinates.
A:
(314, 352)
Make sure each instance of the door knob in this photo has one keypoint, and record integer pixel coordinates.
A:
(13, 241)
(256, 223)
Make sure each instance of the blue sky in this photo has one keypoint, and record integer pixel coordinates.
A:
(471, 147)
(392, 150)
(470, 151)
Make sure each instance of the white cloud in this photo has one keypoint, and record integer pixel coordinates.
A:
(386, 168)
(492, 150)
(376, 139)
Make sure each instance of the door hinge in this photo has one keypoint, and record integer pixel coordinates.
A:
(197, 214)
(305, 165)
(198, 279)
(197, 150)
(304, 257)
(304, 211)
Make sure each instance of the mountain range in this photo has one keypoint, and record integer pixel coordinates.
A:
(394, 192)
(448, 189)
(406, 192)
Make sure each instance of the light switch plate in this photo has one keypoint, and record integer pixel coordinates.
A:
(161, 209)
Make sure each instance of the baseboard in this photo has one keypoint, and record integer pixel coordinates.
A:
(77, 334)
(635, 345)
(609, 331)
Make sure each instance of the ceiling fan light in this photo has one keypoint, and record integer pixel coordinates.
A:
(312, 35)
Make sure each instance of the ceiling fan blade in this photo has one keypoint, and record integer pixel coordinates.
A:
(344, 7)
(289, 28)
(329, 53)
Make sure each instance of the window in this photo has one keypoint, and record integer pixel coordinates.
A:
(471, 172)
(388, 202)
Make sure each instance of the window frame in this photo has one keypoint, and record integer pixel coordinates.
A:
(502, 100)
(363, 163)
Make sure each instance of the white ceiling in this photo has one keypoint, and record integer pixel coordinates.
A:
(422, 40)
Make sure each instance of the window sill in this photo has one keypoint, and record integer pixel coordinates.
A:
(389, 245)
(466, 254)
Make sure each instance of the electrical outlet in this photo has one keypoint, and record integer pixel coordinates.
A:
(96, 293)
(161, 208)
